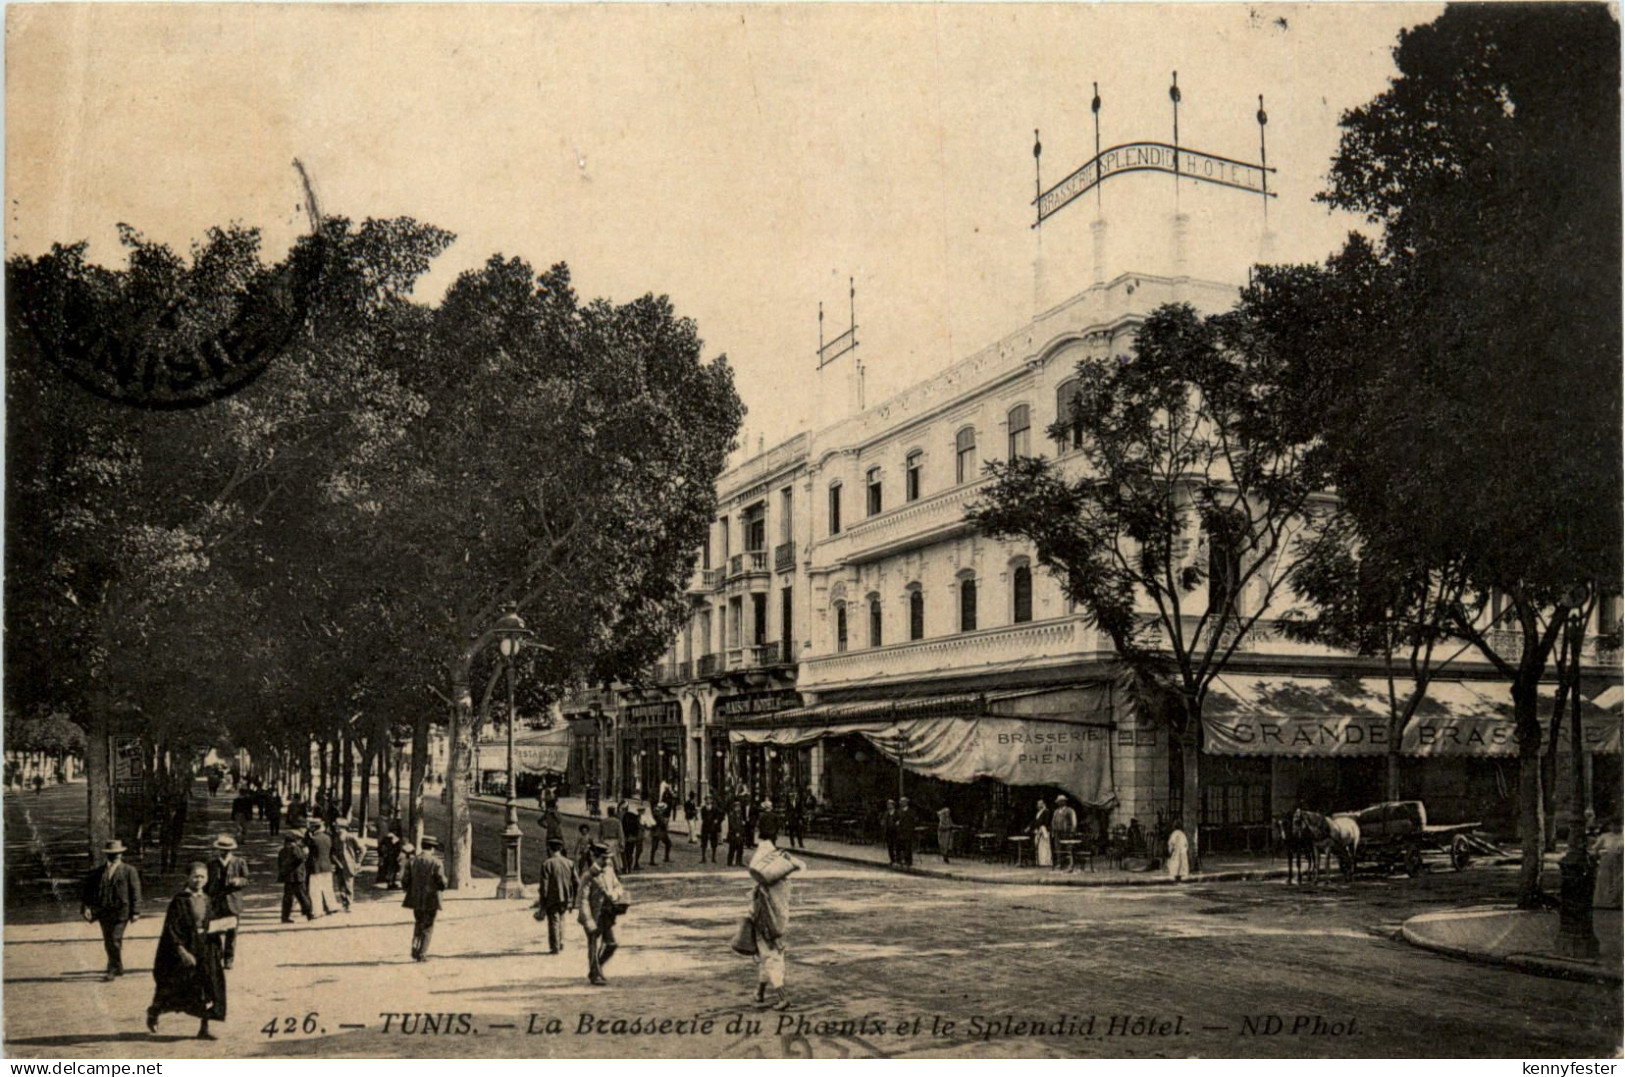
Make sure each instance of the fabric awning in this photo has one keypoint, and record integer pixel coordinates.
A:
(1047, 737)
(1348, 716)
(534, 752)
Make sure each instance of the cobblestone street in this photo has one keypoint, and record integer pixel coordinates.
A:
(1018, 970)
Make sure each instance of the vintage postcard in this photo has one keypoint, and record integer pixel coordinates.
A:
(812, 531)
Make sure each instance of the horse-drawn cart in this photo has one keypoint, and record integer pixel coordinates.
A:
(1396, 834)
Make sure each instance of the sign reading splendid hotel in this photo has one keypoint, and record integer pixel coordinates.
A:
(1154, 157)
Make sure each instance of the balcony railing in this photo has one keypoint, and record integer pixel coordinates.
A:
(907, 525)
(709, 665)
(784, 557)
(685, 671)
(713, 578)
(666, 673)
(1023, 646)
(751, 561)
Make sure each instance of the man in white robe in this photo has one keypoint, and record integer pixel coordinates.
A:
(771, 868)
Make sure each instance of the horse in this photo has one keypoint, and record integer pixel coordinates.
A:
(1299, 849)
(1338, 833)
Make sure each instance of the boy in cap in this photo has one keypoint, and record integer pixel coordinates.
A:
(111, 897)
(556, 893)
(425, 878)
(228, 874)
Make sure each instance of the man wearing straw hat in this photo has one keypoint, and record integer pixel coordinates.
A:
(111, 897)
(228, 874)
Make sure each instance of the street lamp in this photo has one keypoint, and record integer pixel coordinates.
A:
(399, 741)
(600, 736)
(1576, 929)
(510, 631)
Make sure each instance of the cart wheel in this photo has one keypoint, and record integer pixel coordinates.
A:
(1460, 854)
(1413, 861)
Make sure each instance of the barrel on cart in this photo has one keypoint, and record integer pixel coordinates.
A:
(1395, 834)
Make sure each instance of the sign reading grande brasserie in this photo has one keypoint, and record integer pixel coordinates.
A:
(1455, 735)
(756, 703)
(1154, 157)
(664, 712)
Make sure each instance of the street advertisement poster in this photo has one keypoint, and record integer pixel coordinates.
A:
(1039, 531)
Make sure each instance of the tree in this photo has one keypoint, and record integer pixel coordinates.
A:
(565, 465)
(1472, 408)
(1193, 498)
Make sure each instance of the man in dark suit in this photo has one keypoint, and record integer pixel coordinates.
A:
(736, 834)
(711, 830)
(556, 893)
(633, 829)
(111, 897)
(228, 874)
(291, 872)
(907, 834)
(425, 878)
(888, 826)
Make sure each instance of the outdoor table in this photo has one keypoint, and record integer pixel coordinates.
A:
(1068, 847)
(987, 844)
(1020, 842)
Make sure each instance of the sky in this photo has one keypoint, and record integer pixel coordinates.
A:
(744, 160)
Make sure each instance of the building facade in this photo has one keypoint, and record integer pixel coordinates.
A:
(853, 638)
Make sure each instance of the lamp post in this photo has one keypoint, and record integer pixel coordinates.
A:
(597, 710)
(1576, 930)
(510, 631)
(399, 743)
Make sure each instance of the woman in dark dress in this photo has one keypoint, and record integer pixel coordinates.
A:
(188, 969)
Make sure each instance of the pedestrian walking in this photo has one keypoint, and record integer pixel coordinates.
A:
(175, 832)
(425, 878)
(1039, 829)
(736, 833)
(389, 856)
(320, 843)
(769, 816)
(770, 869)
(111, 897)
(292, 872)
(228, 874)
(1606, 850)
(691, 816)
(597, 902)
(611, 834)
(1179, 853)
(945, 832)
(796, 823)
(907, 833)
(660, 832)
(39, 783)
(556, 893)
(271, 808)
(552, 825)
(888, 828)
(348, 855)
(214, 781)
(1063, 824)
(187, 969)
(711, 831)
(242, 810)
(581, 854)
(632, 827)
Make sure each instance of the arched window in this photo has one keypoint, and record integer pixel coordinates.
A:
(916, 613)
(911, 475)
(1021, 594)
(871, 481)
(1065, 416)
(835, 508)
(874, 621)
(840, 627)
(1020, 432)
(967, 604)
(965, 455)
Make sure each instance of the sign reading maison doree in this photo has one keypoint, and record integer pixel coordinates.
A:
(1154, 157)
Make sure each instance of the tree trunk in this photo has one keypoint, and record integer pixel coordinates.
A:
(366, 787)
(1531, 822)
(460, 831)
(414, 784)
(1190, 746)
(98, 781)
(347, 770)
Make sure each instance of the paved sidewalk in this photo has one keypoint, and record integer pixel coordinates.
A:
(1517, 938)
(973, 869)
